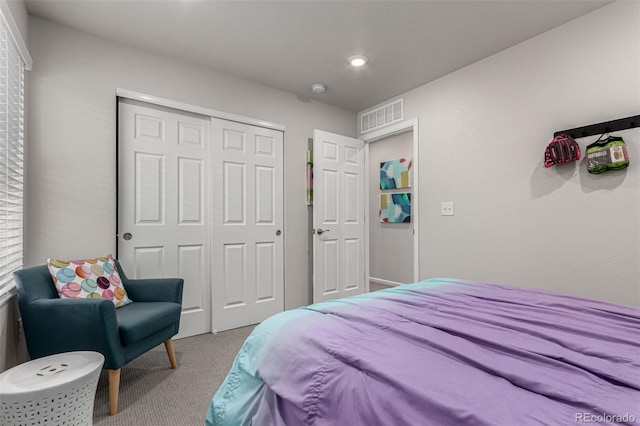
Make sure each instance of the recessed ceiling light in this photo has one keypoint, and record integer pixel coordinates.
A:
(358, 61)
(318, 88)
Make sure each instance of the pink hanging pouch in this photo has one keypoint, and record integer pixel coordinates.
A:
(562, 149)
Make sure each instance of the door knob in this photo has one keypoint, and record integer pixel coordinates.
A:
(321, 231)
(127, 236)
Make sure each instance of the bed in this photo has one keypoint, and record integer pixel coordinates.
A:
(438, 352)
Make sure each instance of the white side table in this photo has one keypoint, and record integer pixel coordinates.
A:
(55, 390)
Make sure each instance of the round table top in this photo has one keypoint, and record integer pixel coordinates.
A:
(50, 372)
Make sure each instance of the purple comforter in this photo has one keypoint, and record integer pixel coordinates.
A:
(439, 352)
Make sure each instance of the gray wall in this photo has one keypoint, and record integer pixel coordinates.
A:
(483, 131)
(390, 244)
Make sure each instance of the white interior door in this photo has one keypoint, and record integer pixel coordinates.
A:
(248, 219)
(163, 202)
(338, 216)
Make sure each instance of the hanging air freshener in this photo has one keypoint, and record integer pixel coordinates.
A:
(606, 154)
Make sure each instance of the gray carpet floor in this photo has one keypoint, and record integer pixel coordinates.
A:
(152, 394)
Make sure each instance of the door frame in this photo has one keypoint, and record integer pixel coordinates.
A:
(376, 136)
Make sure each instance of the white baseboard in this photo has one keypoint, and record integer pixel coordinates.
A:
(384, 282)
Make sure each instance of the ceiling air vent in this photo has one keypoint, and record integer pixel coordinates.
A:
(382, 116)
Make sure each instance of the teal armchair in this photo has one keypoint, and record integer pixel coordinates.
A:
(53, 325)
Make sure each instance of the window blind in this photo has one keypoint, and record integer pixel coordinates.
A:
(11, 158)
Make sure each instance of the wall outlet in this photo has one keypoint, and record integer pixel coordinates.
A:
(446, 208)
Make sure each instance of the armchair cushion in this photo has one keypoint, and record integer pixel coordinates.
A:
(89, 278)
(139, 320)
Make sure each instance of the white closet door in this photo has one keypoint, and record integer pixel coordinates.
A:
(247, 210)
(163, 202)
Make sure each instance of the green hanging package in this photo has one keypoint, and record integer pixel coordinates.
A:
(607, 154)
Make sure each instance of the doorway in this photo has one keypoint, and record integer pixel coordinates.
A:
(392, 248)
(327, 217)
(390, 243)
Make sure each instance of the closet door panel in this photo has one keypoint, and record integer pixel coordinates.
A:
(247, 218)
(164, 228)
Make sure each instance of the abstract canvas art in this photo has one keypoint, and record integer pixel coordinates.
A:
(395, 208)
(395, 174)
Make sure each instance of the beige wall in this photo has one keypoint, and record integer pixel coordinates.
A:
(483, 131)
(390, 244)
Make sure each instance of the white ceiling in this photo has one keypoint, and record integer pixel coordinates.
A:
(292, 44)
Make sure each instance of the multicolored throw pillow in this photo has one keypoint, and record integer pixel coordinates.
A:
(89, 278)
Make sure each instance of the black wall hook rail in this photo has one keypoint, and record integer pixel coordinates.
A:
(600, 128)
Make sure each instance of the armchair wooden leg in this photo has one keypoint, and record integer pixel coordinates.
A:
(114, 390)
(168, 344)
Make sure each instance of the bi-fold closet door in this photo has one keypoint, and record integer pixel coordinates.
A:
(202, 199)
